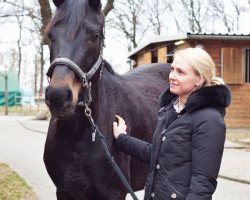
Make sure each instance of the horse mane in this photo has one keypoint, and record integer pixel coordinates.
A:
(109, 67)
(72, 13)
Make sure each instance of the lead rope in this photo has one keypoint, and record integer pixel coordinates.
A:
(107, 153)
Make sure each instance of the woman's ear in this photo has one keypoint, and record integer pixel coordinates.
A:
(200, 81)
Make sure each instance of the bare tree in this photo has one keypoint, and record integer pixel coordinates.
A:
(238, 10)
(16, 13)
(36, 73)
(156, 15)
(19, 45)
(220, 12)
(40, 16)
(196, 13)
(128, 19)
(7, 63)
(175, 16)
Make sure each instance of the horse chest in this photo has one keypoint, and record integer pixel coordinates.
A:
(71, 162)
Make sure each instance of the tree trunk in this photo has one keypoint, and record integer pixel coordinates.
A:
(6, 95)
(36, 74)
(46, 14)
(42, 67)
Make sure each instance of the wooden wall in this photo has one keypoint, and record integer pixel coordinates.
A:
(238, 114)
(144, 58)
(231, 70)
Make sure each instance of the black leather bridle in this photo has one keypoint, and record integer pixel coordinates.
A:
(84, 76)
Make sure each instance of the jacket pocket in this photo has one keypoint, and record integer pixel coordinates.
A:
(174, 192)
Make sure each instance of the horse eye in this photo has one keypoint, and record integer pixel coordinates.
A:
(94, 37)
(49, 35)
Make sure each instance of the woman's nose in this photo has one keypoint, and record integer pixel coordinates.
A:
(172, 75)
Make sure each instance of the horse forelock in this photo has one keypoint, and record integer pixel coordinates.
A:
(72, 13)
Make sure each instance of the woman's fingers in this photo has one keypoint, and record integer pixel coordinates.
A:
(115, 124)
(120, 120)
(119, 126)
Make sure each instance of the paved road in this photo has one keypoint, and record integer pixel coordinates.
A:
(22, 149)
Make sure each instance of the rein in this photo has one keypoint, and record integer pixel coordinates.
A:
(107, 153)
(85, 78)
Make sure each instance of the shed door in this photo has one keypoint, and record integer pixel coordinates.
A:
(232, 60)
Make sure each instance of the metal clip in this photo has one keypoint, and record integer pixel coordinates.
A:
(93, 135)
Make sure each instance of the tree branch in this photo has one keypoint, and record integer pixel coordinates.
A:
(108, 7)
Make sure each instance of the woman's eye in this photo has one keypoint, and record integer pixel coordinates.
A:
(180, 72)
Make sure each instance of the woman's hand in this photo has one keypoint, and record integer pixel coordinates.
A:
(119, 127)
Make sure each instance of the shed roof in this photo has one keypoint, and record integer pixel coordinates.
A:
(184, 36)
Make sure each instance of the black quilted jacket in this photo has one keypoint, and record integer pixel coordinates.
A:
(187, 148)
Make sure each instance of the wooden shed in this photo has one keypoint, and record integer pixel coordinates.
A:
(231, 54)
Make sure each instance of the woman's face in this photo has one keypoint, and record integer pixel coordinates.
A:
(183, 81)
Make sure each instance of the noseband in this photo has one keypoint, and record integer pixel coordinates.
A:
(84, 77)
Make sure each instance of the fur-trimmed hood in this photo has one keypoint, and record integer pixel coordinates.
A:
(217, 96)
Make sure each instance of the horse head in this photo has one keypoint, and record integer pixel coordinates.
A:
(76, 34)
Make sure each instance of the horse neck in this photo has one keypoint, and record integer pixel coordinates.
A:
(103, 100)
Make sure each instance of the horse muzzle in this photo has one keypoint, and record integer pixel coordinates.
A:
(60, 101)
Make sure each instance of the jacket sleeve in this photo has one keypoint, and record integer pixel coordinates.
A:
(134, 147)
(207, 149)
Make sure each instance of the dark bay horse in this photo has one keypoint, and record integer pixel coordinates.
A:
(82, 84)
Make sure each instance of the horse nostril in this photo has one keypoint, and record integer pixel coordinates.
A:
(68, 98)
(47, 100)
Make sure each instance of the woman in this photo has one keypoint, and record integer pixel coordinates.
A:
(188, 142)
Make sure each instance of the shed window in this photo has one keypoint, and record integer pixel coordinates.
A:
(170, 53)
(154, 58)
(247, 68)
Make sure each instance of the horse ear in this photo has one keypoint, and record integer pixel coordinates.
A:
(96, 4)
(58, 2)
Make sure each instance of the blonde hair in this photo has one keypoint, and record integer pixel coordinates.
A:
(202, 64)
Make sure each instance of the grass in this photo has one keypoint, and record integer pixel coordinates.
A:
(21, 110)
(13, 187)
(40, 112)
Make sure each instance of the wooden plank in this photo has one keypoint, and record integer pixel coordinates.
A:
(237, 125)
(239, 88)
(232, 61)
(238, 106)
(237, 120)
(147, 57)
(241, 97)
(239, 114)
(162, 53)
